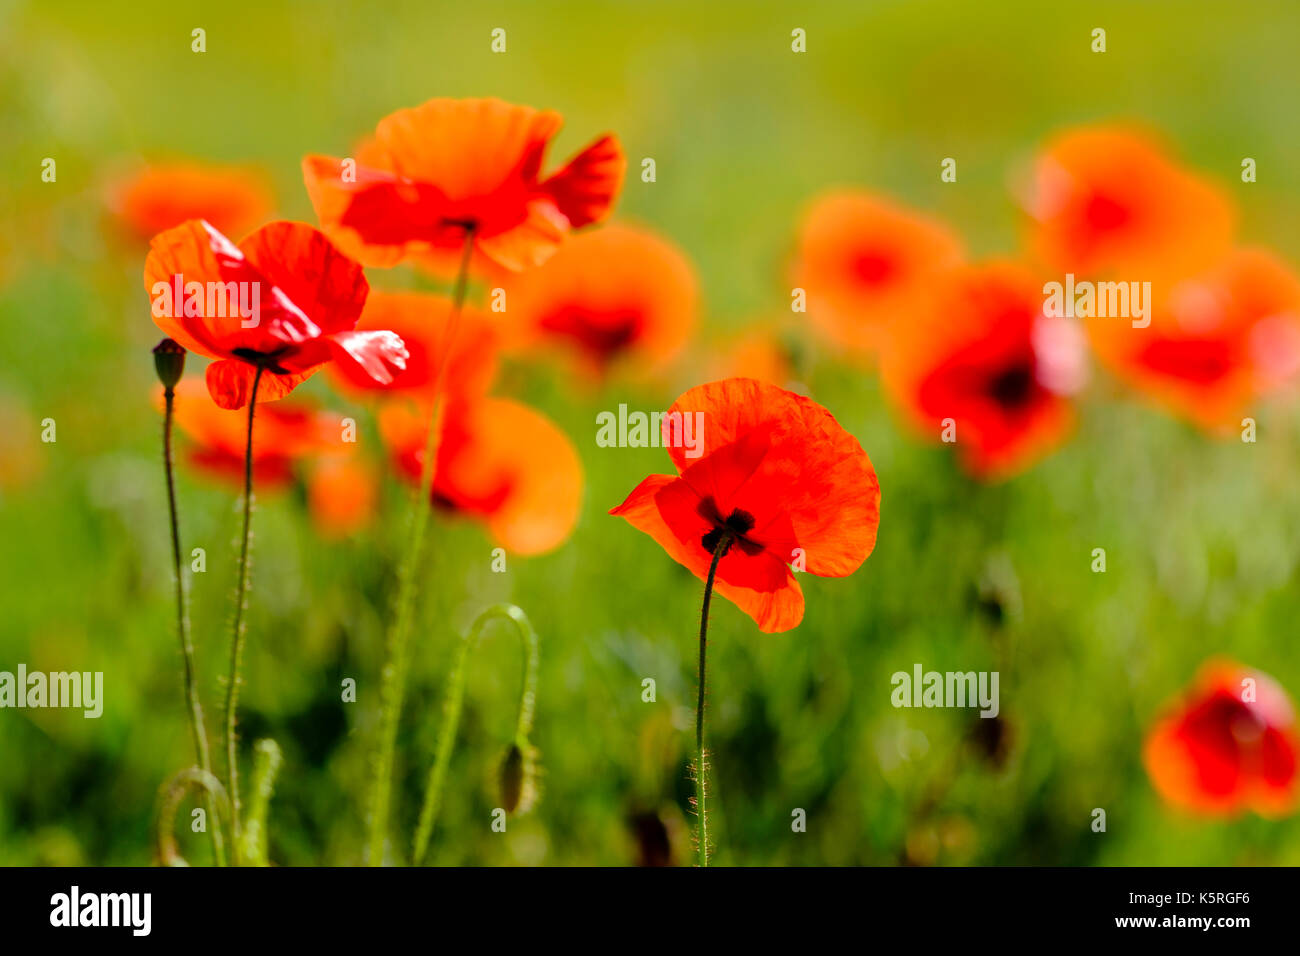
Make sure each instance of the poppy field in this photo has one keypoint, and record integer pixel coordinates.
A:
(602, 434)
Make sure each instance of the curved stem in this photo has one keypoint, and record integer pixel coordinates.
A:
(237, 634)
(393, 679)
(197, 728)
(701, 764)
(455, 701)
(171, 793)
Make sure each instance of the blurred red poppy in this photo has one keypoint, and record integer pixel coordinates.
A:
(435, 171)
(777, 473)
(982, 366)
(616, 294)
(865, 264)
(1215, 343)
(341, 495)
(283, 300)
(164, 195)
(1229, 745)
(499, 461)
(1105, 198)
(422, 321)
(285, 434)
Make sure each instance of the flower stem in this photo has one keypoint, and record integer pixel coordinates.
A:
(452, 709)
(197, 727)
(393, 679)
(237, 634)
(701, 766)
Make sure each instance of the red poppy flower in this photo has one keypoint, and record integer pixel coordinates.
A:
(499, 461)
(1104, 198)
(285, 434)
(983, 364)
(1215, 343)
(341, 495)
(301, 295)
(422, 321)
(161, 196)
(778, 473)
(1230, 745)
(865, 263)
(618, 293)
(436, 170)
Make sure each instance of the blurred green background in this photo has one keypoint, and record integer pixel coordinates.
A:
(1201, 537)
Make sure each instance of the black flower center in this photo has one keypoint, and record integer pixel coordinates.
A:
(735, 526)
(1013, 386)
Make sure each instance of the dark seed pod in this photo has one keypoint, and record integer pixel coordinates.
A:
(169, 361)
(518, 771)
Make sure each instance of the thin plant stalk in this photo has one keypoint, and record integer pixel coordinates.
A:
(701, 763)
(197, 727)
(455, 701)
(237, 633)
(393, 679)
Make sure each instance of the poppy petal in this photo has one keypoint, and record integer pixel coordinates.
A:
(327, 286)
(379, 354)
(585, 189)
(667, 509)
(231, 381)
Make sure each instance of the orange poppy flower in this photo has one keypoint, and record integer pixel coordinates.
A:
(1230, 745)
(422, 321)
(757, 354)
(1103, 198)
(164, 195)
(618, 293)
(1215, 343)
(284, 435)
(499, 461)
(778, 473)
(436, 170)
(284, 300)
(341, 495)
(865, 264)
(984, 367)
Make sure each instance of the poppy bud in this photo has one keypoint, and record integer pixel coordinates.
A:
(517, 773)
(169, 361)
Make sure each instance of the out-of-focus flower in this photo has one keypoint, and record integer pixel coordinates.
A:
(422, 321)
(284, 301)
(1105, 198)
(286, 433)
(614, 295)
(1229, 745)
(758, 354)
(983, 367)
(866, 263)
(1215, 343)
(164, 195)
(341, 495)
(499, 461)
(433, 172)
(777, 475)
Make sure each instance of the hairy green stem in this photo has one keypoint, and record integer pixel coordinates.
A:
(455, 701)
(701, 764)
(266, 764)
(393, 679)
(170, 795)
(237, 633)
(197, 728)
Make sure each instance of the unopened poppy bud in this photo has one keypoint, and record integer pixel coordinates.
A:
(517, 772)
(169, 361)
